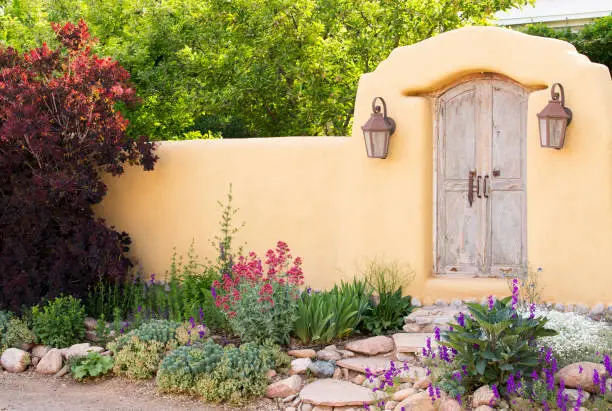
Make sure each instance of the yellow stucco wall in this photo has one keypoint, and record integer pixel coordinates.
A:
(336, 208)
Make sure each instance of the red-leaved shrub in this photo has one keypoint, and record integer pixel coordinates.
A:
(60, 130)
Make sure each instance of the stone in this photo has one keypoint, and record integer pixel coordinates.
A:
(26, 346)
(345, 373)
(457, 303)
(290, 409)
(306, 407)
(411, 342)
(598, 309)
(483, 408)
(40, 350)
(322, 369)
(573, 394)
(346, 353)
(336, 393)
(358, 379)
(305, 353)
(284, 388)
(338, 373)
(322, 408)
(573, 377)
(440, 303)
(51, 363)
(559, 307)
(415, 302)
(65, 369)
(422, 383)
(80, 350)
(328, 355)
(296, 402)
(581, 309)
(270, 373)
(389, 405)
(15, 360)
(483, 396)
(450, 405)
(91, 324)
(412, 328)
(290, 398)
(403, 394)
(416, 402)
(35, 361)
(376, 365)
(372, 346)
(300, 365)
(406, 358)
(109, 353)
(413, 374)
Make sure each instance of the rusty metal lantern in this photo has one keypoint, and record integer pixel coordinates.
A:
(554, 120)
(377, 131)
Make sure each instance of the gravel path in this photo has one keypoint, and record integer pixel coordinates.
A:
(29, 391)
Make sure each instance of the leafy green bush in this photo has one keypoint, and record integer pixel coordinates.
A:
(230, 374)
(180, 369)
(261, 301)
(491, 344)
(387, 280)
(594, 40)
(93, 365)
(239, 377)
(162, 331)
(60, 323)
(17, 334)
(137, 359)
(325, 316)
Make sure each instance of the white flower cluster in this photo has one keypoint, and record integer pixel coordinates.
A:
(579, 338)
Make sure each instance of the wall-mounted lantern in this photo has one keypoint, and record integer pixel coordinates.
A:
(554, 120)
(377, 131)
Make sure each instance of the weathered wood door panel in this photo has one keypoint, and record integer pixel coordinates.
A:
(481, 132)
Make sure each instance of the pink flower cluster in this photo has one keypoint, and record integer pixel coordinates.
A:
(280, 268)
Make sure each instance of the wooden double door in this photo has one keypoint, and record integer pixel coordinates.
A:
(480, 221)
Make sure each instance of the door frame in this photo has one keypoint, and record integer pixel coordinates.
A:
(435, 98)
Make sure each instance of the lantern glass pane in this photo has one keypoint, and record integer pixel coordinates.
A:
(544, 132)
(379, 143)
(557, 131)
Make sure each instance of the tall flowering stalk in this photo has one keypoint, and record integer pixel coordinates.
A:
(260, 298)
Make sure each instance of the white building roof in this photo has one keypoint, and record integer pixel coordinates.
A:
(546, 11)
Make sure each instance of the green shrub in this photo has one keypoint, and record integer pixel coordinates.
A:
(239, 377)
(180, 369)
(162, 331)
(386, 280)
(325, 316)
(60, 323)
(492, 343)
(93, 365)
(17, 334)
(230, 375)
(138, 359)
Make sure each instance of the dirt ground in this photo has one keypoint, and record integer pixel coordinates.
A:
(30, 391)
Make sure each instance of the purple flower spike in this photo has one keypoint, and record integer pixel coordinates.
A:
(607, 364)
(491, 302)
(213, 291)
(532, 308)
(461, 320)
(437, 333)
(495, 390)
(515, 293)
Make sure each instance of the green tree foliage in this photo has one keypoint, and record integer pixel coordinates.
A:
(594, 40)
(245, 67)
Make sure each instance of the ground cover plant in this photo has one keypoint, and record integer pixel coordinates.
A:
(59, 131)
(92, 365)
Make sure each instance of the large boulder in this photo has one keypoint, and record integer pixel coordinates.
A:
(80, 350)
(484, 396)
(15, 360)
(51, 363)
(284, 388)
(416, 402)
(322, 369)
(40, 350)
(372, 345)
(580, 374)
(300, 365)
(305, 353)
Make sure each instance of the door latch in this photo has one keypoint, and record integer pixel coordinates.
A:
(471, 175)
